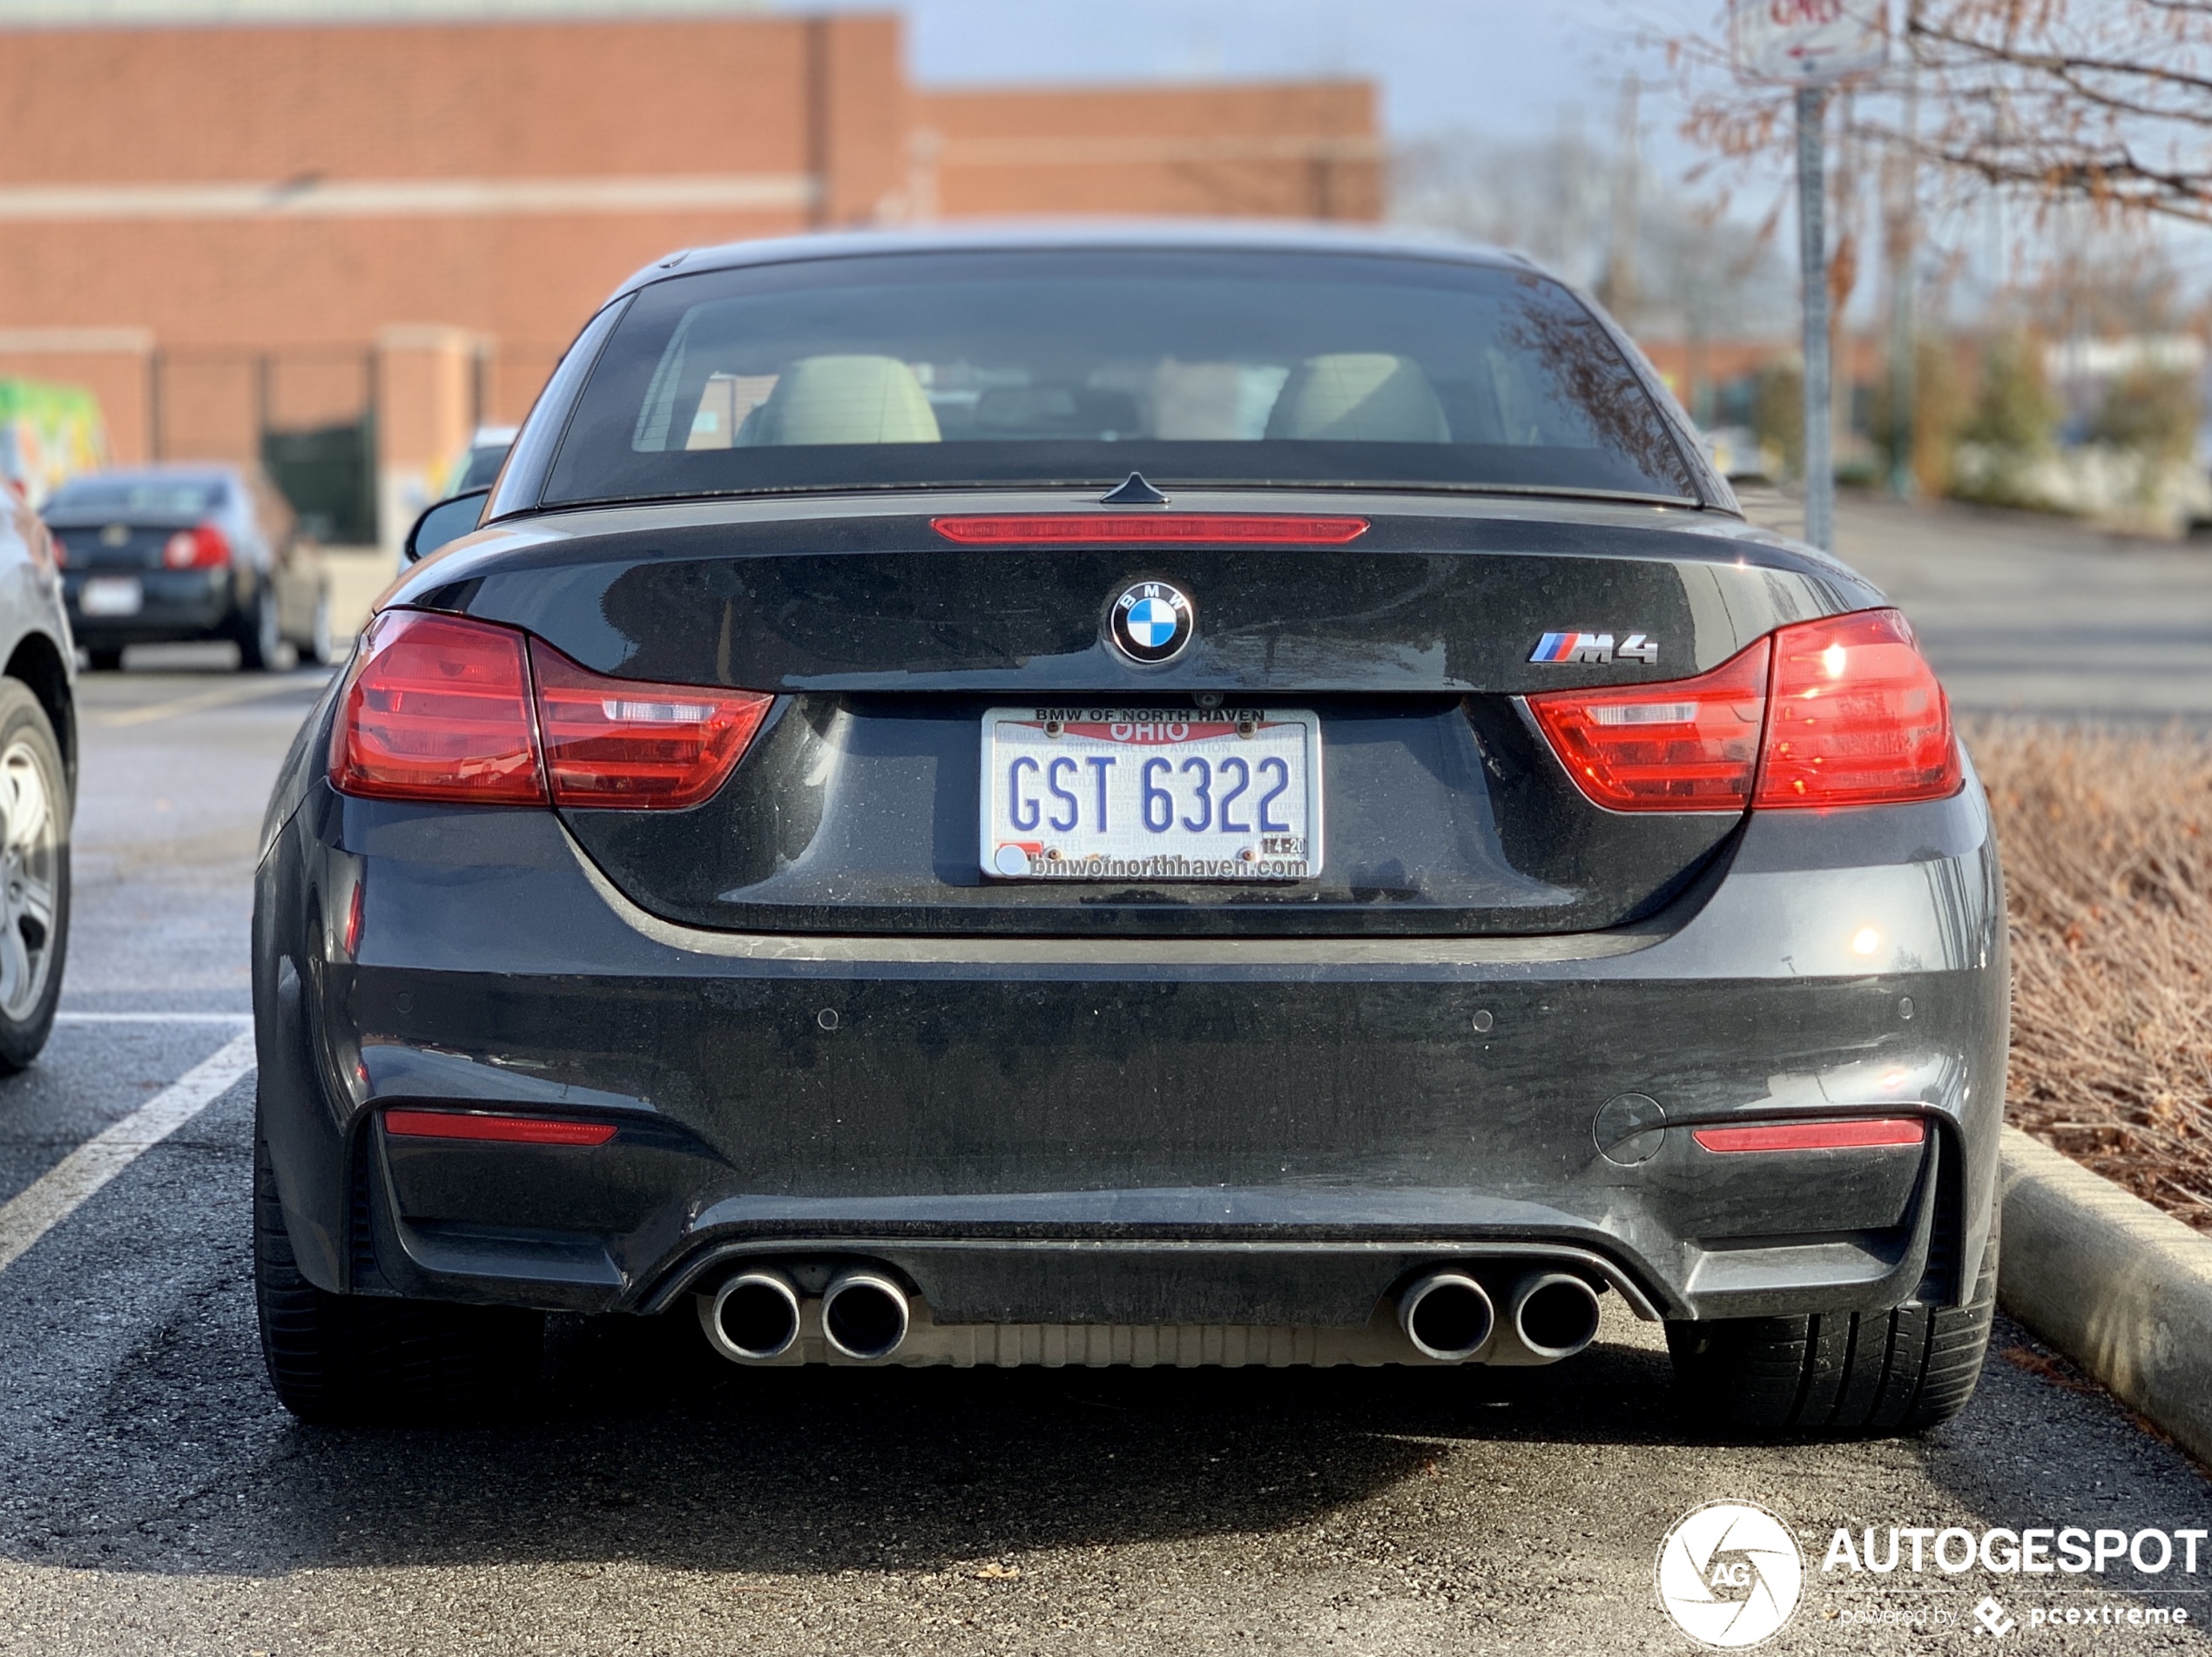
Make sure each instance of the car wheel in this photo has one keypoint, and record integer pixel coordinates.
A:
(1837, 1375)
(338, 1358)
(34, 876)
(259, 635)
(106, 658)
(317, 647)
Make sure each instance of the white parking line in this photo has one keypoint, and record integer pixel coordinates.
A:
(59, 1192)
(201, 702)
(154, 1018)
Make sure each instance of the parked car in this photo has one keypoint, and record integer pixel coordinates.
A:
(37, 780)
(152, 555)
(1739, 455)
(475, 467)
(1132, 797)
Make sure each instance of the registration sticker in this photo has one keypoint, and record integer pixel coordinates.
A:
(1152, 794)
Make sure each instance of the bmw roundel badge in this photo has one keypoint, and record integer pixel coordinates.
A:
(1152, 620)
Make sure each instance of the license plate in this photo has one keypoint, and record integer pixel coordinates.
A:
(111, 596)
(1218, 794)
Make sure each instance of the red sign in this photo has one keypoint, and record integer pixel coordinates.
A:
(1803, 41)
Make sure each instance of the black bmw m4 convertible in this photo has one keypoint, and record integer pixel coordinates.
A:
(1128, 797)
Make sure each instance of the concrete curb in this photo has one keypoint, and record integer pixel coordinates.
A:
(2123, 1289)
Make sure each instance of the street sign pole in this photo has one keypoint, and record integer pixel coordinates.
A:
(1904, 258)
(1811, 45)
(1813, 260)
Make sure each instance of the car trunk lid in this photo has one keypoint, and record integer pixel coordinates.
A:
(860, 807)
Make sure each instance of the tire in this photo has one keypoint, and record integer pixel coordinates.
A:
(106, 658)
(257, 632)
(334, 1359)
(317, 648)
(1837, 1375)
(35, 813)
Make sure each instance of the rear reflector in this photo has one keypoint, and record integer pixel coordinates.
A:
(505, 1130)
(1858, 717)
(1684, 745)
(1141, 530)
(438, 708)
(621, 742)
(1857, 1134)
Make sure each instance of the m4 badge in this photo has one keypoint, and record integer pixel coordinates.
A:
(1598, 649)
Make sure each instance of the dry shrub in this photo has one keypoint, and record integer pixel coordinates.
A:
(2108, 880)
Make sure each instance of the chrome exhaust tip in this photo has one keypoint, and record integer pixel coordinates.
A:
(754, 1316)
(1555, 1313)
(1447, 1315)
(864, 1314)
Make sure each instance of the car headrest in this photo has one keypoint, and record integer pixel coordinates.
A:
(1359, 397)
(843, 400)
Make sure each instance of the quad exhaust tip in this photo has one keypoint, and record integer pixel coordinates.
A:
(1447, 1315)
(864, 1314)
(755, 1316)
(1555, 1313)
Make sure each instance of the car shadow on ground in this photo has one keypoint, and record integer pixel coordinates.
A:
(645, 1446)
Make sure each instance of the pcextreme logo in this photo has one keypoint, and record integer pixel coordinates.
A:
(1729, 1574)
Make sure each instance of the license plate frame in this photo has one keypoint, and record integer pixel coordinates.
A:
(108, 597)
(1100, 823)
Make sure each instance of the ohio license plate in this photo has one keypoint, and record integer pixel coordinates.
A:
(1150, 794)
(111, 596)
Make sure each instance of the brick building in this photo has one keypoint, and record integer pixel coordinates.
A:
(322, 241)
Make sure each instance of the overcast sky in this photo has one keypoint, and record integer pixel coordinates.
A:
(1503, 66)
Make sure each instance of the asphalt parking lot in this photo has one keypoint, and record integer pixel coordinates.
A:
(153, 1497)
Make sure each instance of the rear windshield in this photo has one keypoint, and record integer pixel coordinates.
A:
(165, 497)
(1082, 367)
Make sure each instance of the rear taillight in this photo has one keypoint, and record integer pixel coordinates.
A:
(1681, 746)
(443, 708)
(438, 708)
(1842, 711)
(622, 742)
(204, 547)
(1858, 719)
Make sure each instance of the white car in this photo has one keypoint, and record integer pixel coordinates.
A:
(475, 467)
(37, 780)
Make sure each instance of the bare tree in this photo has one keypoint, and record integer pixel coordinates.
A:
(2106, 102)
(1547, 197)
(1692, 269)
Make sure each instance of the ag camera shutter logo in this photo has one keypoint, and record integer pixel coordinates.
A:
(1729, 1574)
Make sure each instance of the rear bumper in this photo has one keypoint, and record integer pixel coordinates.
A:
(1263, 1134)
(175, 604)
